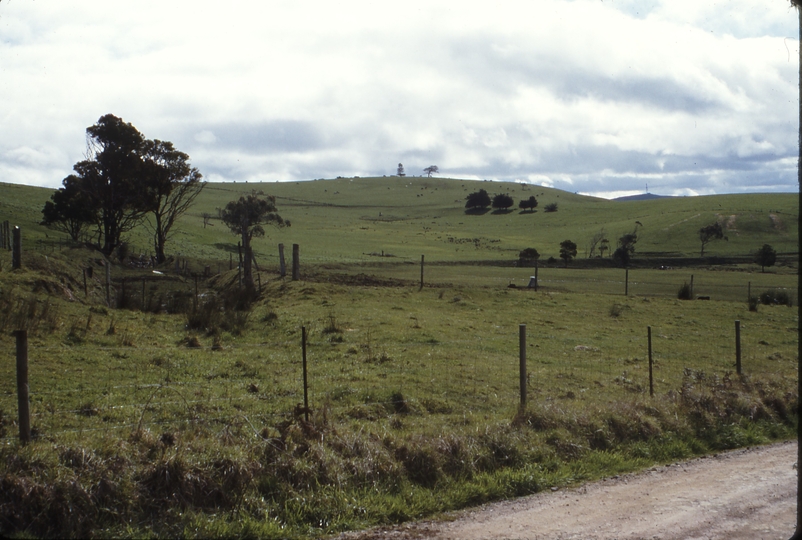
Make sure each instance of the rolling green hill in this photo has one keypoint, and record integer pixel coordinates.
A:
(351, 220)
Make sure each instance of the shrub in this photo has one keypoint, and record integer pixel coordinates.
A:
(551, 207)
(776, 296)
(753, 302)
(684, 292)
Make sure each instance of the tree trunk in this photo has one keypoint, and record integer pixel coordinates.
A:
(247, 271)
(160, 240)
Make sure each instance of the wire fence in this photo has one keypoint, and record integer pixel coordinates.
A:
(89, 388)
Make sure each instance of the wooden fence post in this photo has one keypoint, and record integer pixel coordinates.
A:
(522, 361)
(306, 385)
(651, 363)
(16, 255)
(738, 347)
(86, 291)
(296, 262)
(692, 286)
(22, 387)
(282, 266)
(421, 272)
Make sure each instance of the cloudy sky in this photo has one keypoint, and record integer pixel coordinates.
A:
(595, 96)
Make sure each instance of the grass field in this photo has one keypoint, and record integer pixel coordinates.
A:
(178, 418)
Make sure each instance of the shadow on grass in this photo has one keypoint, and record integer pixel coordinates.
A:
(477, 211)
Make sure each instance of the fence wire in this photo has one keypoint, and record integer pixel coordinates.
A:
(118, 388)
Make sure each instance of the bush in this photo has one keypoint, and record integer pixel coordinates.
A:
(776, 296)
(685, 292)
(753, 302)
(551, 207)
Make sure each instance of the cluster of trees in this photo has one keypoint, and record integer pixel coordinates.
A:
(481, 200)
(124, 179)
(127, 179)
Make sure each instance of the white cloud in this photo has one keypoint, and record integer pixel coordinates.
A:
(580, 94)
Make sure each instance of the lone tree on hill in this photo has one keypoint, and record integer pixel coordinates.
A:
(245, 218)
(765, 256)
(502, 201)
(431, 169)
(567, 251)
(400, 170)
(708, 233)
(478, 199)
(528, 204)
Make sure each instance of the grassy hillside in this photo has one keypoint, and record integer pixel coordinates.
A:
(352, 220)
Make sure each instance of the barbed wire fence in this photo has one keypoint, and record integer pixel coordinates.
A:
(94, 388)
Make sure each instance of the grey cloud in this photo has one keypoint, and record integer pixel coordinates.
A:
(270, 136)
(486, 66)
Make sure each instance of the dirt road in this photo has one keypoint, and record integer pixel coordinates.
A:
(745, 494)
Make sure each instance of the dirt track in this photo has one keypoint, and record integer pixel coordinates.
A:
(740, 495)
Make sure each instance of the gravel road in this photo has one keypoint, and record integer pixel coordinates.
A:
(744, 494)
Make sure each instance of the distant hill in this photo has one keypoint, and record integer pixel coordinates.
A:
(351, 220)
(642, 197)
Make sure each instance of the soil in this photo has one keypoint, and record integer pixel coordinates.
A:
(739, 495)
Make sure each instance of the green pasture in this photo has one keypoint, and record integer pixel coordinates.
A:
(356, 220)
(140, 413)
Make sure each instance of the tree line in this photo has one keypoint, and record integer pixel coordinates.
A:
(481, 200)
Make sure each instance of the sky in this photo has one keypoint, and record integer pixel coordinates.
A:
(600, 97)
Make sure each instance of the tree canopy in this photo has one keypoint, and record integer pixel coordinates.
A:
(477, 199)
(528, 256)
(69, 210)
(708, 233)
(765, 256)
(626, 248)
(502, 201)
(528, 204)
(172, 188)
(431, 169)
(567, 251)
